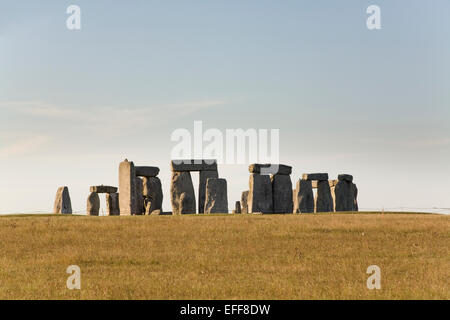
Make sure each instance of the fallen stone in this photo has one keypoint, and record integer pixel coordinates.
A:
(324, 200)
(304, 197)
(140, 196)
(155, 213)
(62, 204)
(315, 176)
(279, 169)
(153, 194)
(194, 165)
(127, 187)
(103, 189)
(282, 194)
(147, 171)
(203, 178)
(182, 193)
(260, 197)
(112, 204)
(345, 177)
(216, 200)
(244, 202)
(93, 204)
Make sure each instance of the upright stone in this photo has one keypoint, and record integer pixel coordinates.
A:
(112, 204)
(127, 188)
(304, 197)
(282, 193)
(216, 200)
(355, 198)
(153, 193)
(244, 202)
(93, 204)
(62, 201)
(260, 198)
(324, 200)
(140, 196)
(203, 177)
(237, 208)
(182, 193)
(344, 194)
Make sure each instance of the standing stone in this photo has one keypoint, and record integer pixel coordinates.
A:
(112, 204)
(324, 200)
(282, 194)
(203, 178)
(244, 202)
(182, 193)
(62, 201)
(237, 208)
(260, 198)
(216, 200)
(153, 193)
(344, 194)
(93, 204)
(140, 196)
(304, 197)
(127, 188)
(355, 198)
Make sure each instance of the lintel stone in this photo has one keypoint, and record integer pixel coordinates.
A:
(270, 169)
(194, 165)
(315, 176)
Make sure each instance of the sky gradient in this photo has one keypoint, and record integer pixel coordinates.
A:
(375, 104)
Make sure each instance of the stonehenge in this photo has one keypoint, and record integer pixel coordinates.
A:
(270, 192)
(216, 199)
(140, 189)
(181, 188)
(62, 204)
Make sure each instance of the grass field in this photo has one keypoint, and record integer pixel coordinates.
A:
(226, 257)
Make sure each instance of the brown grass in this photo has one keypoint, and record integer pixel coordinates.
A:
(226, 257)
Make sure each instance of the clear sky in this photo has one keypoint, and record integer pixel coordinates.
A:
(375, 104)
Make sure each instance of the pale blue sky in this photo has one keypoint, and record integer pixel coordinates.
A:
(376, 104)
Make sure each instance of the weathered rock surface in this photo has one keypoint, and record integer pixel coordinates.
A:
(282, 194)
(244, 202)
(140, 196)
(127, 187)
(260, 197)
(62, 201)
(216, 200)
(355, 198)
(194, 165)
(153, 193)
(324, 200)
(315, 176)
(203, 178)
(182, 193)
(112, 204)
(332, 183)
(304, 197)
(344, 194)
(345, 177)
(103, 189)
(237, 208)
(279, 169)
(147, 171)
(154, 212)
(93, 204)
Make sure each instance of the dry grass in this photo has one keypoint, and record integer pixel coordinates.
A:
(226, 257)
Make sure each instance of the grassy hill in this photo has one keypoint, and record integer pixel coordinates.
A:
(226, 257)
